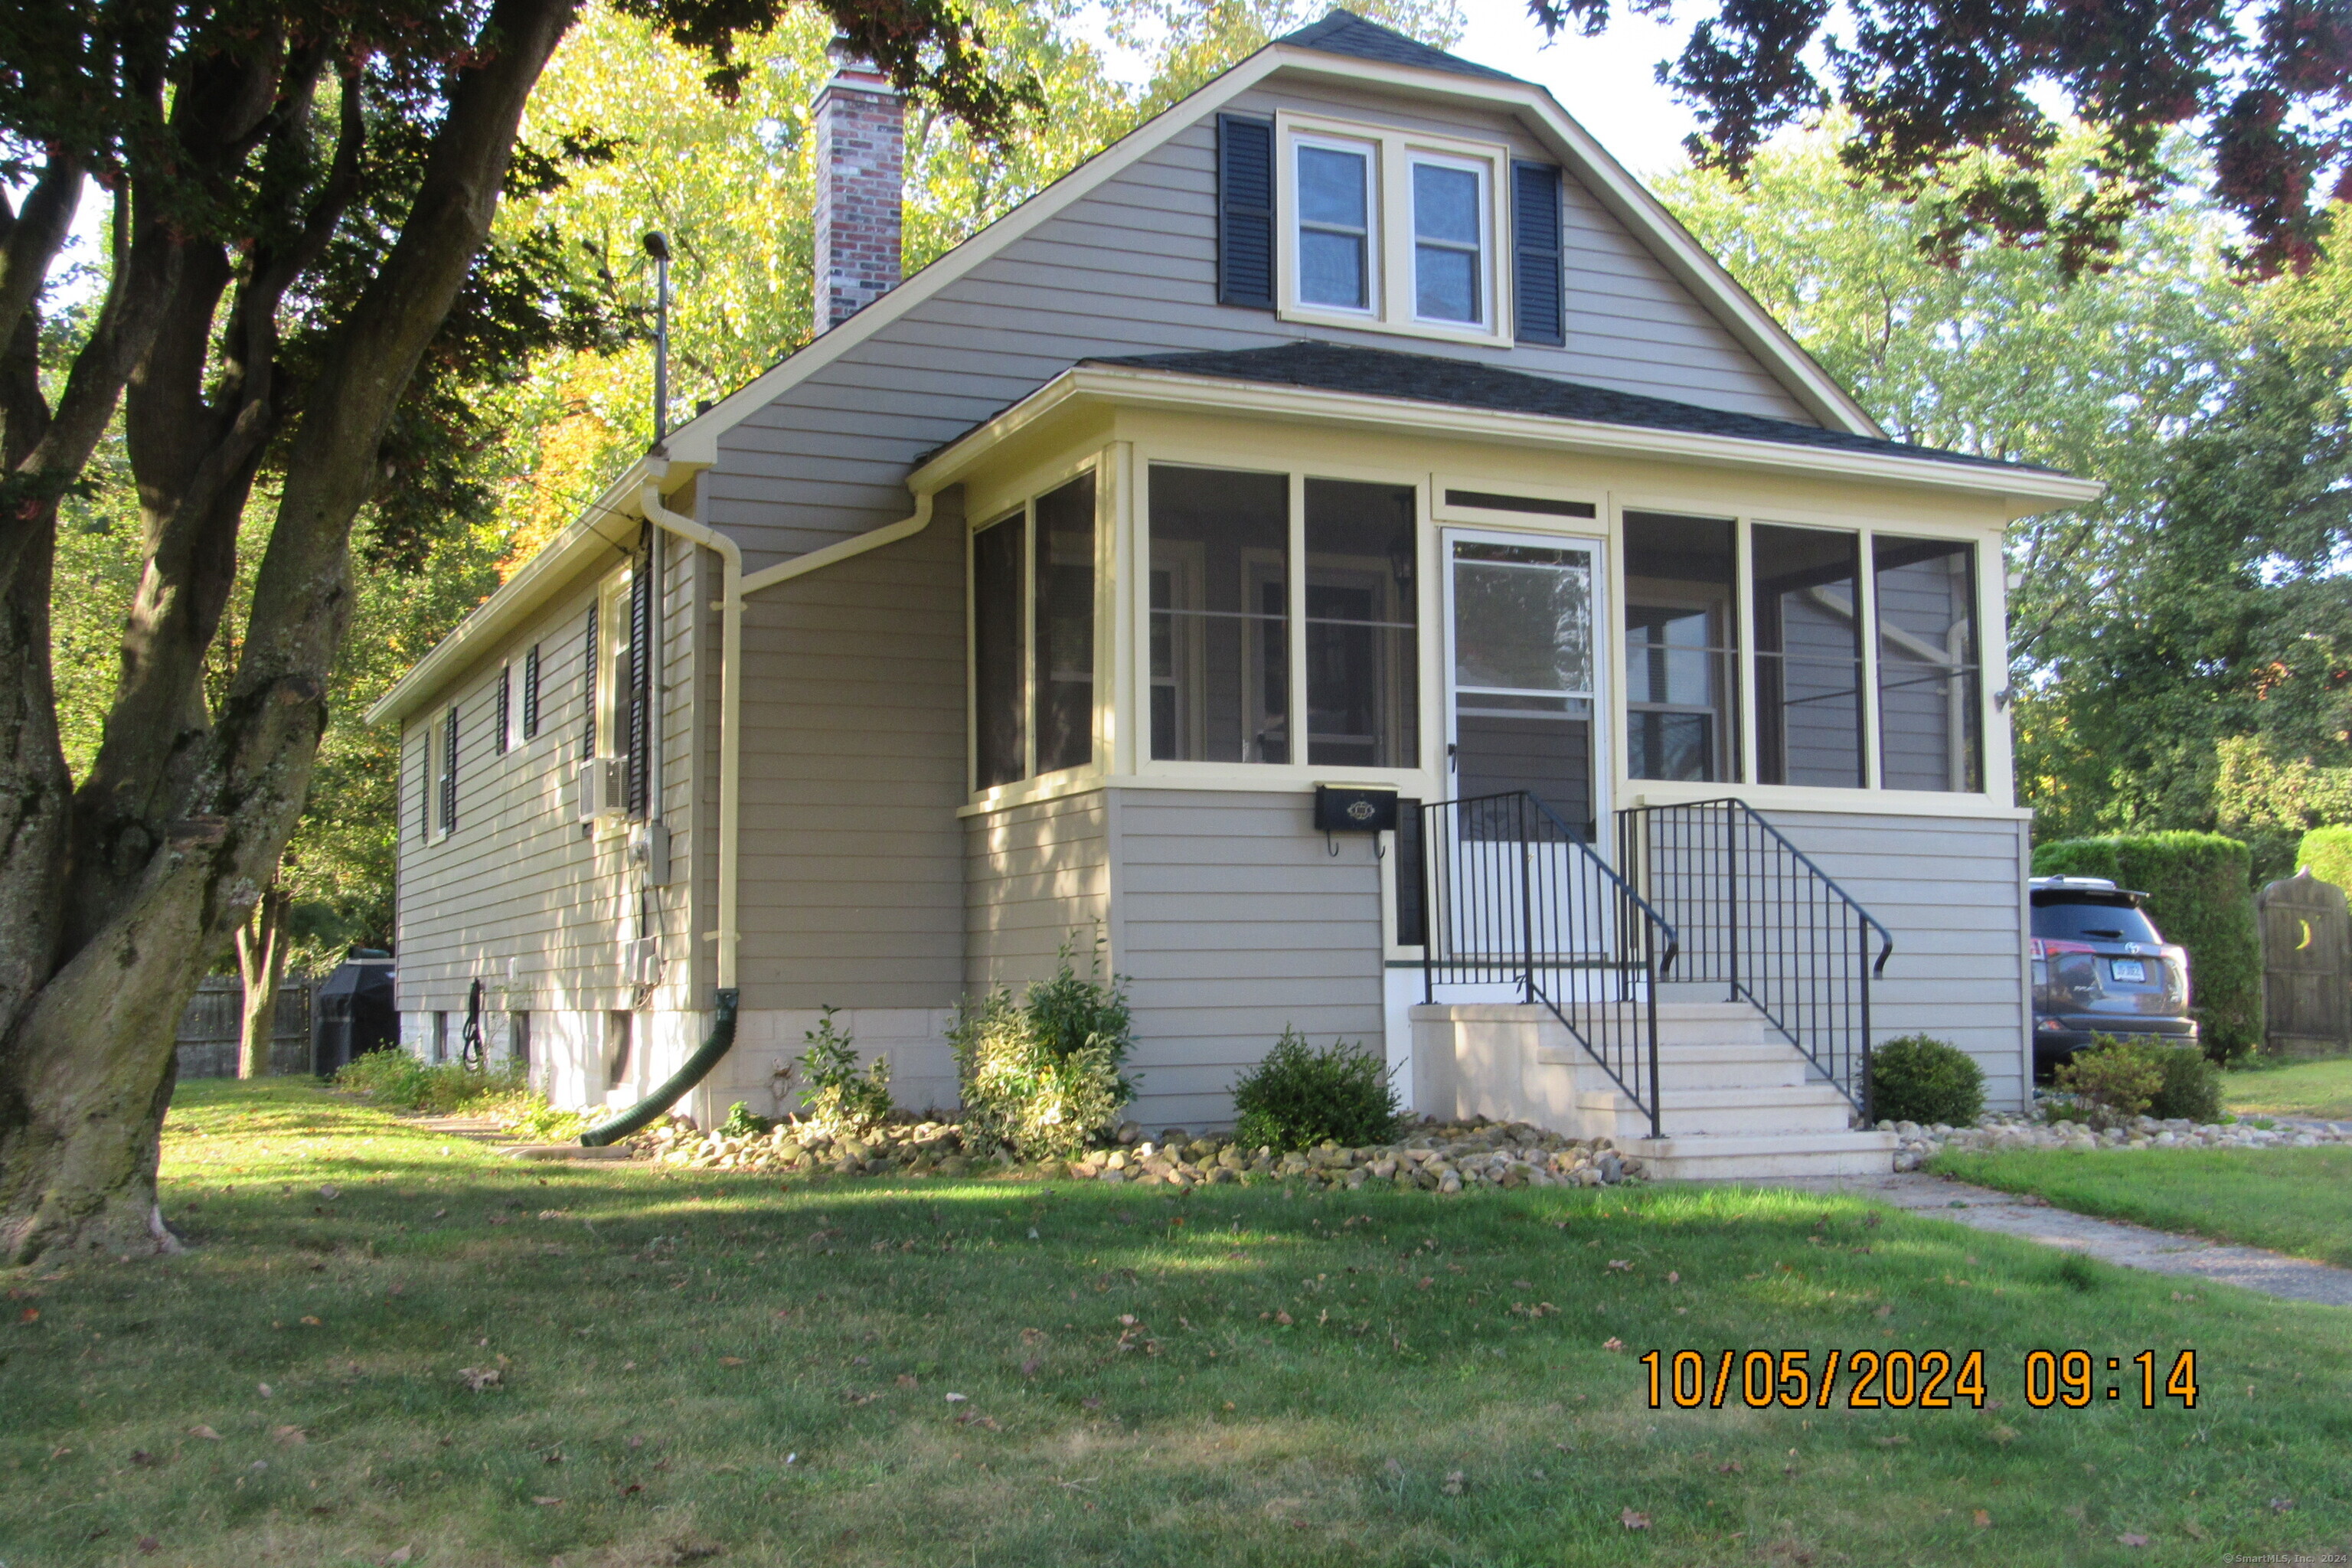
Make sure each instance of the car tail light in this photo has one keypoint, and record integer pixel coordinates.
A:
(2044, 947)
(2177, 957)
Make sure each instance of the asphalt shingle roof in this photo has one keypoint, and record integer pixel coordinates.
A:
(1428, 378)
(1345, 32)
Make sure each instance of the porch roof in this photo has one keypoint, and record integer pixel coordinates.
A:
(1429, 378)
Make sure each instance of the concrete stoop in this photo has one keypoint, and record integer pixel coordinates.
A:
(1736, 1103)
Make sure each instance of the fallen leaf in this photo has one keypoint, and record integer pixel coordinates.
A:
(1633, 1520)
(292, 1437)
(2004, 1436)
(264, 1389)
(958, 1398)
(1729, 1467)
(1886, 1312)
(310, 1323)
(478, 1378)
(143, 1460)
(149, 1545)
(1029, 1367)
(731, 1360)
(206, 1433)
(1427, 1281)
(2194, 1531)
(1673, 1277)
(549, 1501)
(1456, 1483)
(399, 1554)
(1282, 1319)
(1612, 1343)
(2131, 1537)
(2282, 1505)
(1981, 1520)
(29, 1315)
(1622, 1265)
(331, 1192)
(1894, 1442)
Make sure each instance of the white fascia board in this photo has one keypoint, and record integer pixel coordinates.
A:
(2027, 489)
(534, 583)
(698, 440)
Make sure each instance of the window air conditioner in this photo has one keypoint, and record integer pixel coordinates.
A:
(598, 788)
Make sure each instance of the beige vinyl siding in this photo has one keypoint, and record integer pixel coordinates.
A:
(1234, 922)
(1035, 877)
(1132, 268)
(1951, 890)
(851, 858)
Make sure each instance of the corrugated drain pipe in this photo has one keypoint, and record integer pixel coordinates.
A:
(698, 1065)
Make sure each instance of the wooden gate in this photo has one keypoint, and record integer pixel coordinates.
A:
(214, 1025)
(2306, 966)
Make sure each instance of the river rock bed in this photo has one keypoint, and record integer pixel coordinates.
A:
(1440, 1157)
(2013, 1131)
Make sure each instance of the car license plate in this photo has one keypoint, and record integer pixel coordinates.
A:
(2128, 969)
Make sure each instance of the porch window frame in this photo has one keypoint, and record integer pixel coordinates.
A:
(1017, 503)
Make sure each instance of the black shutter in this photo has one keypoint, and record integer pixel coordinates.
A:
(449, 775)
(506, 705)
(588, 684)
(531, 693)
(1245, 212)
(640, 674)
(1535, 254)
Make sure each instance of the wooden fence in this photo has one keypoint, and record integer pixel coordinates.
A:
(214, 1023)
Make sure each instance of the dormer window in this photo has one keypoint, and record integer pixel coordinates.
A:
(1450, 223)
(1336, 201)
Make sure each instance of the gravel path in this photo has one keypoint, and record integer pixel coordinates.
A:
(2110, 1241)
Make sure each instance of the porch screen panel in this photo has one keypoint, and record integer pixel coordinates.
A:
(999, 736)
(1807, 656)
(1524, 671)
(1065, 547)
(1363, 651)
(1930, 716)
(1682, 635)
(1220, 615)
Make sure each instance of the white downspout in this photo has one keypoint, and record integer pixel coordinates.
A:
(730, 698)
(734, 586)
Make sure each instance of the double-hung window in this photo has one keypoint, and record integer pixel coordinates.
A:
(1033, 637)
(1338, 247)
(1382, 228)
(1450, 243)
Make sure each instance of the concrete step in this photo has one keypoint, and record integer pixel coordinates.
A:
(1760, 1064)
(1801, 1108)
(1753, 1158)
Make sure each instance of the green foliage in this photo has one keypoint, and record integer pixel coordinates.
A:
(1919, 1079)
(2327, 852)
(1296, 1097)
(838, 1095)
(398, 1081)
(2200, 895)
(1041, 1074)
(2190, 1088)
(742, 1122)
(2112, 1081)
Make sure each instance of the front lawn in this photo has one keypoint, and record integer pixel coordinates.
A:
(387, 1342)
(2296, 1201)
(2321, 1090)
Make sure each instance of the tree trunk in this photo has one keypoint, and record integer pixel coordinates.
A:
(86, 1072)
(261, 960)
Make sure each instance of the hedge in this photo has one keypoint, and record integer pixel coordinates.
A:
(2199, 894)
(2327, 853)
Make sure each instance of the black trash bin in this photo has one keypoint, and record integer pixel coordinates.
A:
(353, 1012)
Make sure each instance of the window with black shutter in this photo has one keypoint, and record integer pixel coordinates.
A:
(1245, 212)
(639, 674)
(531, 694)
(588, 685)
(449, 772)
(1534, 253)
(506, 707)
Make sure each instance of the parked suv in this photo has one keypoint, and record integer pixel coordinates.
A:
(2100, 966)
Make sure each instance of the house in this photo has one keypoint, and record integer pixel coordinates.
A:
(1355, 426)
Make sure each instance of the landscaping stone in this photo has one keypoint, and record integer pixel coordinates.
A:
(2010, 1130)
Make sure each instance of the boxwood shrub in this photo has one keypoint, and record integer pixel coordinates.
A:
(1918, 1078)
(2200, 894)
(1297, 1097)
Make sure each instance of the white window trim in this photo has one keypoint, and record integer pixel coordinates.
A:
(1375, 274)
(1391, 223)
(1481, 169)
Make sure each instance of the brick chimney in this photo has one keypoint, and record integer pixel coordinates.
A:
(861, 150)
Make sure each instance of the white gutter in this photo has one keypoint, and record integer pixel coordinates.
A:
(734, 586)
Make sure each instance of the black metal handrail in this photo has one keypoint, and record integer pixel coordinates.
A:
(1757, 916)
(1510, 893)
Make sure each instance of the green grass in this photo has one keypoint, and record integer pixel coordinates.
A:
(2322, 1089)
(2296, 1201)
(691, 1360)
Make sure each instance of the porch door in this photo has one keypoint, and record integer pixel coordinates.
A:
(1523, 705)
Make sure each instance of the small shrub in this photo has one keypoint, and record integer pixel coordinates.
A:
(1922, 1079)
(1297, 1097)
(542, 1123)
(840, 1097)
(2111, 1082)
(2327, 854)
(742, 1122)
(1041, 1074)
(2199, 888)
(2190, 1088)
(397, 1079)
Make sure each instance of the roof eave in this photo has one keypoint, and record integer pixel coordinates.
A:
(1159, 388)
(533, 582)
